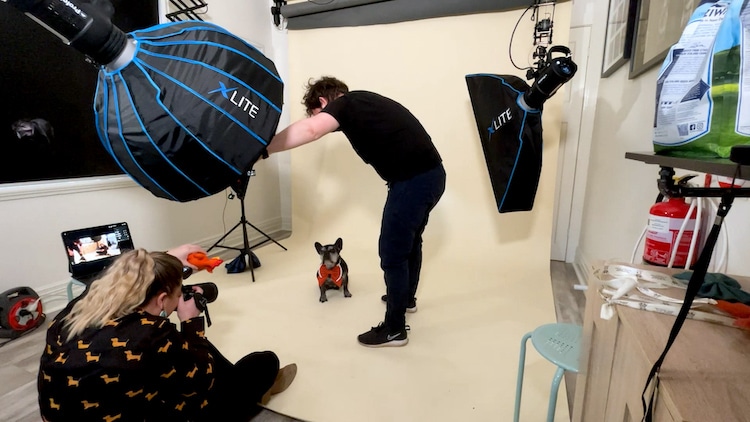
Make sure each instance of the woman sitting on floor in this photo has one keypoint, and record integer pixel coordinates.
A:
(113, 354)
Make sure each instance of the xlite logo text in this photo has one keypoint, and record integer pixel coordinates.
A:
(74, 7)
(499, 121)
(239, 101)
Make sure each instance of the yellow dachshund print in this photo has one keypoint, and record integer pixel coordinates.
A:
(92, 358)
(117, 343)
(130, 356)
(107, 379)
(132, 394)
(87, 405)
(169, 374)
(164, 348)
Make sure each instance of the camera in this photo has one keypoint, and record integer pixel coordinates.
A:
(553, 73)
(210, 293)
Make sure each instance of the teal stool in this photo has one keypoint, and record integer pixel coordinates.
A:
(559, 344)
(72, 282)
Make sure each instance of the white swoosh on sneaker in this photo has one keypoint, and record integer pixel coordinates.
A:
(392, 336)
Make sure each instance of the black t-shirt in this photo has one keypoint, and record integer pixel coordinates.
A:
(385, 135)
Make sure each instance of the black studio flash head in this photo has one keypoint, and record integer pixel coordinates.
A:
(78, 24)
(554, 73)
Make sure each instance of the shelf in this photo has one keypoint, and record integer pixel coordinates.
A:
(716, 166)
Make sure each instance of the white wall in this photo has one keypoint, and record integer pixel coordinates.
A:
(617, 119)
(32, 215)
(619, 192)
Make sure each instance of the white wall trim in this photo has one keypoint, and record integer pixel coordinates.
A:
(27, 190)
(583, 267)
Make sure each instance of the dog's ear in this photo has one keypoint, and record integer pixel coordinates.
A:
(339, 244)
(318, 247)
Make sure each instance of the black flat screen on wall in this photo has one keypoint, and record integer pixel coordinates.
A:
(47, 88)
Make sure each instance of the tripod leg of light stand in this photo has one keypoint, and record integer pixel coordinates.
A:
(224, 237)
(264, 234)
(246, 252)
(246, 249)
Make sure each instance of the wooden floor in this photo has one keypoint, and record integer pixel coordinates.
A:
(19, 359)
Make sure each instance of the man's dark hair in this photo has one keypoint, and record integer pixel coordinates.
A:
(327, 87)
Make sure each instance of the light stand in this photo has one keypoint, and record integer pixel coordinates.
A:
(246, 250)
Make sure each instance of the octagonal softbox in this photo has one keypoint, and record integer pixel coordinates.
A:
(191, 112)
(185, 108)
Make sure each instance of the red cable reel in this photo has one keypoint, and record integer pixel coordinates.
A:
(20, 311)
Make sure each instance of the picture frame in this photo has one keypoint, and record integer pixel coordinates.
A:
(618, 40)
(658, 26)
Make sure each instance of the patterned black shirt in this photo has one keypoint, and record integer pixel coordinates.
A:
(135, 368)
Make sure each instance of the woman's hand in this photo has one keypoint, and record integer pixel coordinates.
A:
(181, 252)
(188, 309)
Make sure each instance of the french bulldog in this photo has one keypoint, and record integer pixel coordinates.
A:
(333, 272)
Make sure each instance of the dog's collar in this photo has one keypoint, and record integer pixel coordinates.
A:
(335, 274)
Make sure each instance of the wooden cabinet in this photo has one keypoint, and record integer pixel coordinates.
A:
(704, 378)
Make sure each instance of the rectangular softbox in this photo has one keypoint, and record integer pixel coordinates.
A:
(511, 137)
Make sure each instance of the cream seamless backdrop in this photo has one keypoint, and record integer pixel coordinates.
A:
(485, 279)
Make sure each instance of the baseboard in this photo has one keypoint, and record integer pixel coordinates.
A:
(583, 267)
(55, 295)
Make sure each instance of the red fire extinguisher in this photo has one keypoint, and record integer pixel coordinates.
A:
(664, 222)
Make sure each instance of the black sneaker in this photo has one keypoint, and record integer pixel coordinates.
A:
(380, 337)
(411, 307)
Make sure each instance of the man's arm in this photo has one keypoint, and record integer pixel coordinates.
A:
(302, 132)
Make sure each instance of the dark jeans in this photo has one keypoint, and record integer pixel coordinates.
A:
(405, 215)
(240, 386)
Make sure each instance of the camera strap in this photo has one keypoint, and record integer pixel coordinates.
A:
(202, 304)
(649, 395)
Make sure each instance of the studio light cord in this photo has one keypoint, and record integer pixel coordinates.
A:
(542, 37)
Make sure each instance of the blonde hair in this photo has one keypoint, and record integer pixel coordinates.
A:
(128, 284)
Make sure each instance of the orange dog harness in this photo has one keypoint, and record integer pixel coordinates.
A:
(334, 274)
